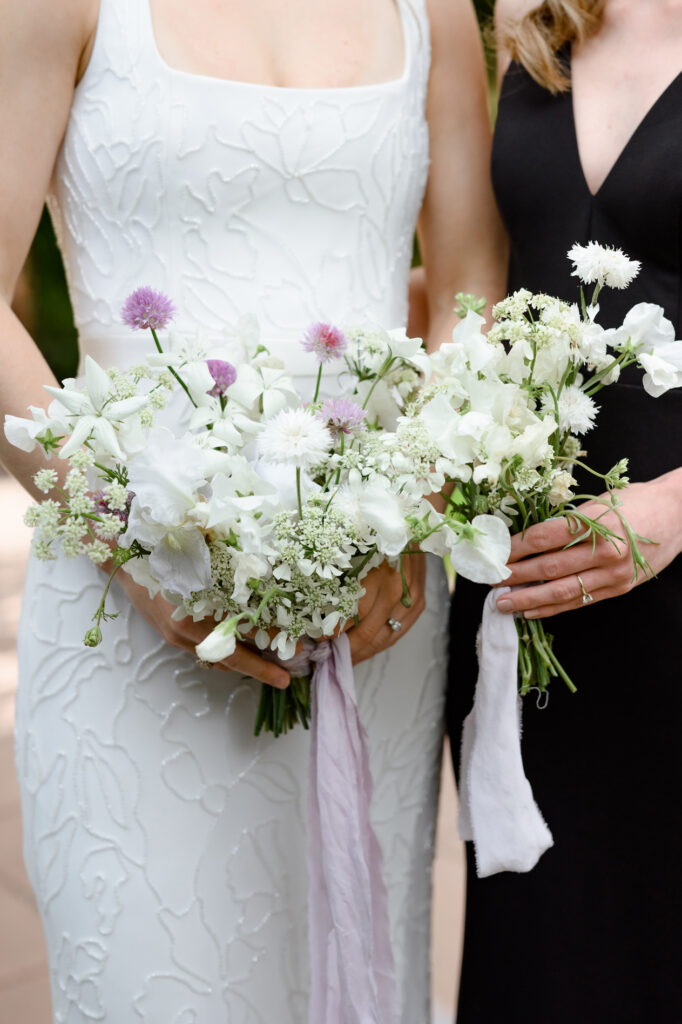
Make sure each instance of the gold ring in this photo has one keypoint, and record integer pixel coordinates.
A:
(587, 597)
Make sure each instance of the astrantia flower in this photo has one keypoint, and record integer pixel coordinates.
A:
(325, 340)
(342, 414)
(294, 438)
(146, 308)
(577, 410)
(224, 375)
(603, 265)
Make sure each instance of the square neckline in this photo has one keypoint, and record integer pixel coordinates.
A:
(285, 90)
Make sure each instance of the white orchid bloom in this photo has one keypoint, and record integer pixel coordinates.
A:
(24, 433)
(94, 410)
(480, 550)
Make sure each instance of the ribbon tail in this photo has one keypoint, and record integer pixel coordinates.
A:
(352, 971)
(498, 810)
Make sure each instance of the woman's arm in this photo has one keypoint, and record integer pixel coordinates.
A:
(462, 241)
(43, 50)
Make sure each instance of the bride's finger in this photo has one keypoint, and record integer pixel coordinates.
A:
(542, 537)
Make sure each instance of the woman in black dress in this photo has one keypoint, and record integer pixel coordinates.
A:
(593, 935)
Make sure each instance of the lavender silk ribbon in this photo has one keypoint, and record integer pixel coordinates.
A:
(353, 975)
(496, 805)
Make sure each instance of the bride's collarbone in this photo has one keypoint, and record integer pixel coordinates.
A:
(300, 44)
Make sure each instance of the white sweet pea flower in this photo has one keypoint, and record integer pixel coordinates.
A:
(94, 410)
(480, 550)
(247, 566)
(373, 506)
(645, 326)
(533, 443)
(166, 477)
(663, 369)
(24, 433)
(456, 436)
(263, 390)
(242, 494)
(221, 643)
(410, 349)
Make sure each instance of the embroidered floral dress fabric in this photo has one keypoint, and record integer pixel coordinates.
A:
(166, 845)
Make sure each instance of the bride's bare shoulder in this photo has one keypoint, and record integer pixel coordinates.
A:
(45, 32)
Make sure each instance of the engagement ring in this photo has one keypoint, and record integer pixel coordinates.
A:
(395, 625)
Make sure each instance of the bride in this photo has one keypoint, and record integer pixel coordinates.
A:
(244, 158)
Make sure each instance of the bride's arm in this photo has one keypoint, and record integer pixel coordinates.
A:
(461, 237)
(43, 49)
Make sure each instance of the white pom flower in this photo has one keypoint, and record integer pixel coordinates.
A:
(577, 411)
(294, 438)
(603, 265)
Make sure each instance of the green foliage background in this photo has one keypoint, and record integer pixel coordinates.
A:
(47, 310)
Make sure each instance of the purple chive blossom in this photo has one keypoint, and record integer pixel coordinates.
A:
(145, 308)
(325, 340)
(342, 414)
(224, 374)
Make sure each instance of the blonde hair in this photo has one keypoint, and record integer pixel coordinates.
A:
(536, 39)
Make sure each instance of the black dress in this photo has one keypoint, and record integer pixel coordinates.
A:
(593, 935)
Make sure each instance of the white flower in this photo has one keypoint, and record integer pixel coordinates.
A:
(95, 409)
(166, 477)
(645, 326)
(263, 389)
(25, 434)
(372, 506)
(480, 550)
(663, 369)
(560, 491)
(221, 643)
(295, 438)
(45, 480)
(603, 265)
(577, 411)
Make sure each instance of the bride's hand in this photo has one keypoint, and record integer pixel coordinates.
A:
(186, 634)
(652, 511)
(381, 602)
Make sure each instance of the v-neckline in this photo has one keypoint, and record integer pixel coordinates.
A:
(630, 141)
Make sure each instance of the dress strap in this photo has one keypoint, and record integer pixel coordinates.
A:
(417, 41)
(123, 39)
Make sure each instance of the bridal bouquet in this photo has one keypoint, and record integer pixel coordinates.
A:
(211, 482)
(511, 410)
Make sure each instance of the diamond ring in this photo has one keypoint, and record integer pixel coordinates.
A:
(587, 597)
(395, 625)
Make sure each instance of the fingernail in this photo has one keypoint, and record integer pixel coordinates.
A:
(505, 605)
(283, 680)
(531, 615)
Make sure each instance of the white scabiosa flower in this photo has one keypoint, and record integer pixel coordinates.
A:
(294, 438)
(603, 265)
(577, 411)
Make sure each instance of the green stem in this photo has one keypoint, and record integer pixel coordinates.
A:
(317, 385)
(298, 491)
(388, 363)
(172, 370)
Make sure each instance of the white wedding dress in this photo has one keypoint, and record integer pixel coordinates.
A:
(166, 845)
